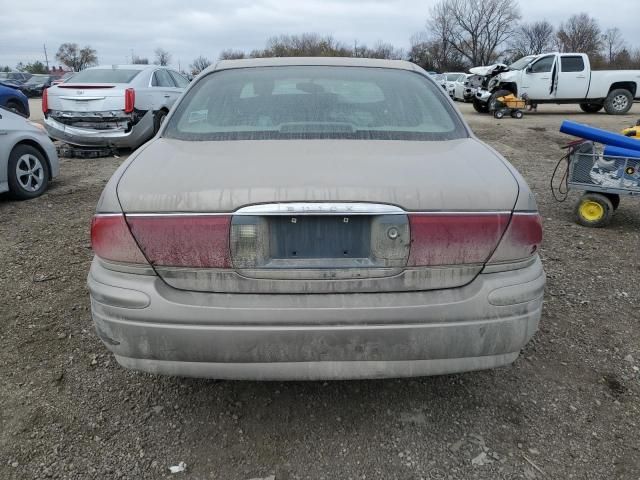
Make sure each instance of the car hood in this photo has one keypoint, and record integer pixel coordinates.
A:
(489, 69)
(222, 176)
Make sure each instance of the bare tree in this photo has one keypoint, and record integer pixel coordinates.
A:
(439, 27)
(613, 44)
(580, 34)
(379, 50)
(199, 64)
(230, 54)
(532, 39)
(476, 29)
(139, 60)
(76, 58)
(162, 57)
(304, 45)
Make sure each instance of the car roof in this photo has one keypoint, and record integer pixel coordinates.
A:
(313, 61)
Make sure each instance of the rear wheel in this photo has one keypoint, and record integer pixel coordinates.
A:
(517, 114)
(591, 107)
(158, 119)
(614, 198)
(618, 102)
(594, 210)
(479, 106)
(499, 114)
(16, 107)
(28, 172)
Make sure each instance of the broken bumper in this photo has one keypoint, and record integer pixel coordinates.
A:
(88, 137)
(152, 327)
(483, 95)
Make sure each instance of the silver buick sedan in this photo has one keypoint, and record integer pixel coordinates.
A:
(315, 218)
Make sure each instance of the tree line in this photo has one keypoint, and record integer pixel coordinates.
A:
(458, 34)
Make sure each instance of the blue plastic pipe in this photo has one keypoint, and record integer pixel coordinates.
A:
(599, 136)
(621, 152)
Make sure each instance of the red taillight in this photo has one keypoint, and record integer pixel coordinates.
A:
(198, 241)
(454, 239)
(111, 240)
(521, 240)
(45, 100)
(129, 100)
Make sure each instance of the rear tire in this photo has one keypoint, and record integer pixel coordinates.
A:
(618, 102)
(480, 107)
(158, 119)
(614, 198)
(28, 172)
(591, 107)
(594, 210)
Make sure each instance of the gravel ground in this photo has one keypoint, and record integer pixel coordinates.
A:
(568, 408)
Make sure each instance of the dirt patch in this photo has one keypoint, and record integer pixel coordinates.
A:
(570, 404)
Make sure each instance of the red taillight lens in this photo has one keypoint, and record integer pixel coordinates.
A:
(111, 240)
(129, 100)
(198, 241)
(521, 240)
(45, 100)
(454, 239)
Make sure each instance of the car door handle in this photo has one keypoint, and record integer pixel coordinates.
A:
(581, 76)
(167, 96)
(544, 78)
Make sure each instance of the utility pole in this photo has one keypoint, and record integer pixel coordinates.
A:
(46, 58)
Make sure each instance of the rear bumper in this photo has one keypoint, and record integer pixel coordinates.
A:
(87, 137)
(152, 327)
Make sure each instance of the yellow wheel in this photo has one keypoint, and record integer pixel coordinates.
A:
(591, 211)
(594, 210)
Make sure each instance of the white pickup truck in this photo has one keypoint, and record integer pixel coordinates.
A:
(559, 78)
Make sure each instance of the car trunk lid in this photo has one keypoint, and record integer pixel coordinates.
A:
(317, 216)
(91, 97)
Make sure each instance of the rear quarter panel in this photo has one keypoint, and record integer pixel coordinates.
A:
(601, 81)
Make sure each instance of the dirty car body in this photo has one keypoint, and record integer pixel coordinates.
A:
(117, 106)
(342, 222)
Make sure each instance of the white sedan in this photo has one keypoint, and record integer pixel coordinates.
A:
(120, 106)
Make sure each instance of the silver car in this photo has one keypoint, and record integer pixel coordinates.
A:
(119, 106)
(315, 218)
(28, 159)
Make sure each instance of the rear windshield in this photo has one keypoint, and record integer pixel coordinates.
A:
(314, 102)
(38, 79)
(105, 75)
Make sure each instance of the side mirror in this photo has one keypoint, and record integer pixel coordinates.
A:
(527, 69)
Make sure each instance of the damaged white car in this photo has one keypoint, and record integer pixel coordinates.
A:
(119, 106)
(560, 78)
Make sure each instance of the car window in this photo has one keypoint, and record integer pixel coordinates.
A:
(179, 80)
(573, 63)
(105, 75)
(314, 102)
(161, 78)
(543, 65)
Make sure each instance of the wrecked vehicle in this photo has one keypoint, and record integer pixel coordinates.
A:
(560, 78)
(119, 106)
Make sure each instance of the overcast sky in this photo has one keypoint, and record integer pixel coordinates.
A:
(190, 28)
